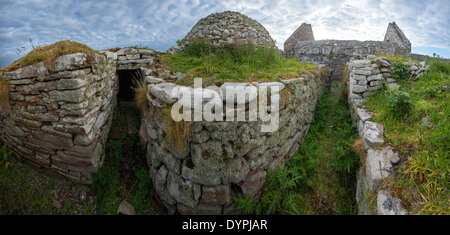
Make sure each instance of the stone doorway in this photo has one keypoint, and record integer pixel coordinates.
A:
(127, 115)
(127, 81)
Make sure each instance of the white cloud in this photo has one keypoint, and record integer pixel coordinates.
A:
(158, 24)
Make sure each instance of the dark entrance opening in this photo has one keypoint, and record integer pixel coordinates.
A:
(127, 81)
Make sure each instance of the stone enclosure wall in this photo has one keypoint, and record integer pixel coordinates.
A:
(222, 158)
(336, 53)
(59, 118)
(366, 78)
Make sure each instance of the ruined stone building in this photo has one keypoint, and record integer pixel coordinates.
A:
(335, 53)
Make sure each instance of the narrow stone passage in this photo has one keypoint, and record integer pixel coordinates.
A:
(321, 177)
(327, 147)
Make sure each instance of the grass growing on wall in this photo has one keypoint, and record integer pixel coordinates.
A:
(48, 54)
(4, 96)
(397, 58)
(178, 134)
(321, 178)
(235, 63)
(422, 182)
(140, 94)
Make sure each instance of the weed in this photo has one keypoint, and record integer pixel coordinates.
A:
(104, 179)
(400, 71)
(400, 102)
(4, 154)
(140, 94)
(4, 96)
(178, 133)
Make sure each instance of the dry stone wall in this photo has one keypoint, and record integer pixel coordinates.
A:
(366, 78)
(59, 118)
(129, 58)
(222, 158)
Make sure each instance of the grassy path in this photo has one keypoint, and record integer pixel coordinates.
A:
(321, 178)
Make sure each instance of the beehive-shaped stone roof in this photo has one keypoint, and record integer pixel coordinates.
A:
(230, 27)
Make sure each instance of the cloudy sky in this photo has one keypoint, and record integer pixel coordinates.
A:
(103, 24)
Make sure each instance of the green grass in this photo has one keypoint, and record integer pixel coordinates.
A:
(124, 175)
(48, 54)
(321, 178)
(25, 191)
(234, 63)
(423, 181)
(398, 58)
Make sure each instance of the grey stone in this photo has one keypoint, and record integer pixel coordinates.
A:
(378, 77)
(70, 62)
(390, 80)
(362, 72)
(383, 62)
(373, 134)
(70, 84)
(361, 63)
(426, 122)
(363, 115)
(395, 159)
(30, 71)
(378, 166)
(388, 205)
(359, 77)
(153, 80)
(183, 191)
(166, 92)
(126, 208)
(376, 83)
(358, 89)
(237, 170)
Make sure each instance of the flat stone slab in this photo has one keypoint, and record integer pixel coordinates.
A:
(364, 115)
(378, 165)
(373, 134)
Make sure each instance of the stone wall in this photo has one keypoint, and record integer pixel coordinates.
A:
(366, 78)
(60, 118)
(222, 158)
(336, 53)
(229, 27)
(129, 58)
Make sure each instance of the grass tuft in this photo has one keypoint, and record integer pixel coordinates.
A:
(178, 133)
(4, 96)
(140, 94)
(234, 63)
(48, 54)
